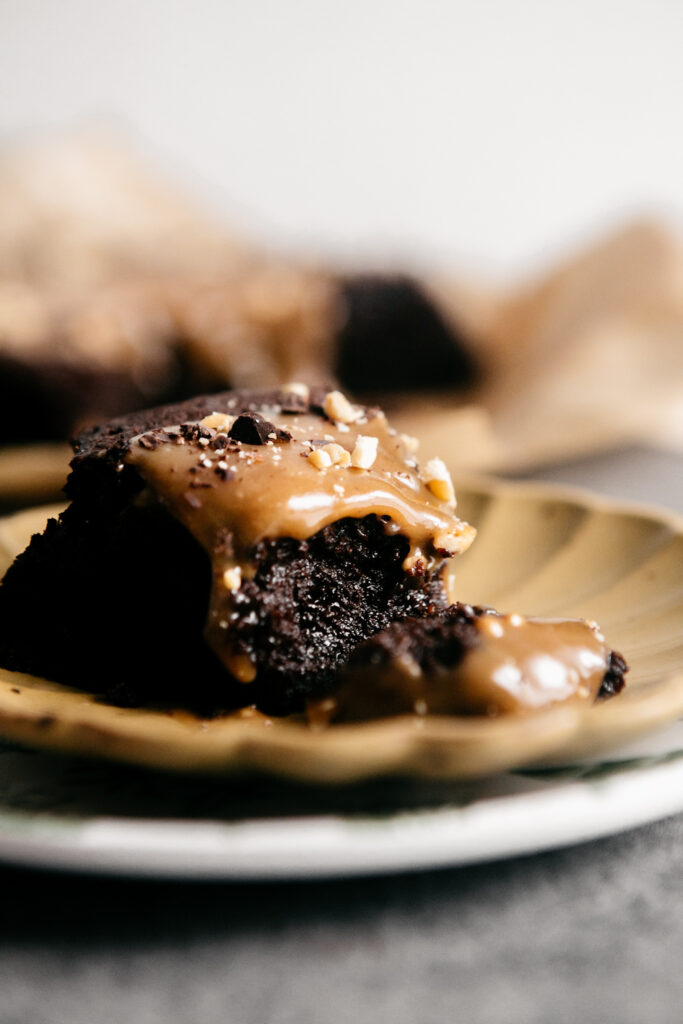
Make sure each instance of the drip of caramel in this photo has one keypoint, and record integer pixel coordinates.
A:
(517, 665)
(273, 490)
(521, 664)
(232, 495)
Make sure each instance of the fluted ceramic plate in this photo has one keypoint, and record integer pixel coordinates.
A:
(398, 794)
(540, 550)
(32, 473)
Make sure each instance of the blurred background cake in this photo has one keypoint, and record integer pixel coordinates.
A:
(154, 245)
(117, 291)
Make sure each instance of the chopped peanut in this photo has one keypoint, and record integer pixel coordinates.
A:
(438, 480)
(411, 443)
(414, 563)
(338, 407)
(364, 452)
(232, 578)
(296, 388)
(456, 540)
(319, 458)
(338, 455)
(219, 421)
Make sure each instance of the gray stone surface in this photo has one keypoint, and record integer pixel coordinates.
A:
(589, 934)
(638, 474)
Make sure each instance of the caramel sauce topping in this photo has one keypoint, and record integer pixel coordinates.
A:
(517, 665)
(230, 495)
(305, 471)
(522, 664)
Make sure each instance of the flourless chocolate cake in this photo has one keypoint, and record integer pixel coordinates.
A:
(386, 320)
(230, 550)
(282, 550)
(72, 359)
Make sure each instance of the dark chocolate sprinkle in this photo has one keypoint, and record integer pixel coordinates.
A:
(149, 442)
(222, 441)
(293, 405)
(224, 544)
(195, 431)
(252, 428)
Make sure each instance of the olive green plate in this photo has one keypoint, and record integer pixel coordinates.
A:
(32, 473)
(541, 550)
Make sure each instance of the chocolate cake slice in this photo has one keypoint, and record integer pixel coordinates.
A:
(471, 660)
(231, 550)
(386, 319)
(117, 292)
(72, 358)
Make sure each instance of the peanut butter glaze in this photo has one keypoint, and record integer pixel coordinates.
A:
(230, 495)
(272, 490)
(522, 664)
(509, 665)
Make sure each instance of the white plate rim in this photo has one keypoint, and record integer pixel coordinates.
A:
(333, 846)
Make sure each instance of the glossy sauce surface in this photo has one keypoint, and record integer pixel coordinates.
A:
(515, 665)
(272, 490)
(231, 495)
(521, 664)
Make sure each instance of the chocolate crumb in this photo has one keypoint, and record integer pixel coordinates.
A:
(224, 544)
(293, 405)
(252, 428)
(221, 441)
(614, 681)
(195, 432)
(149, 442)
